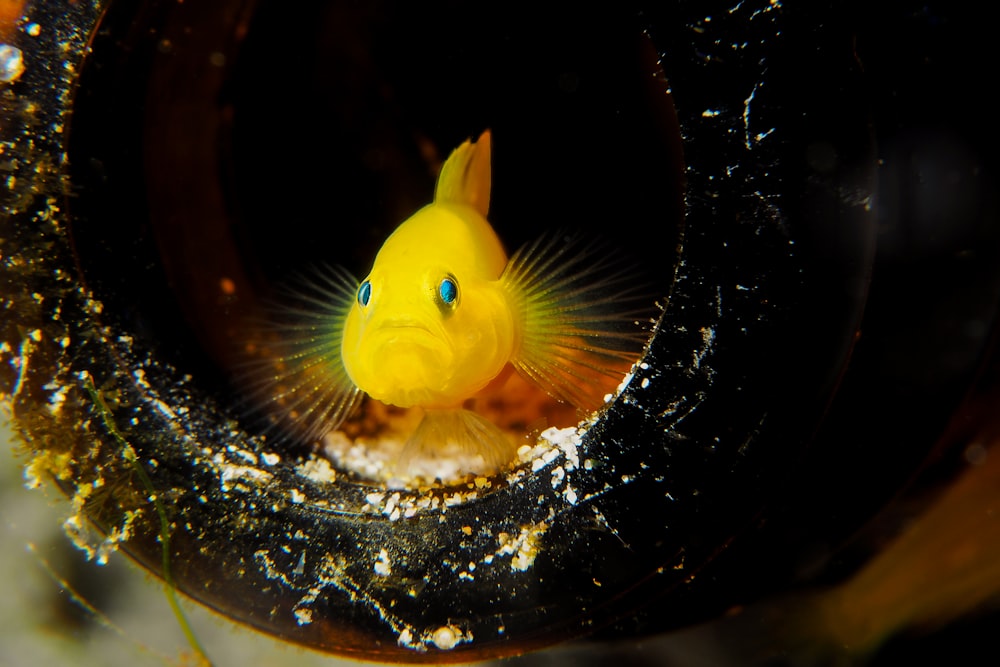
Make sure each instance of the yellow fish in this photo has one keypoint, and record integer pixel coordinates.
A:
(444, 315)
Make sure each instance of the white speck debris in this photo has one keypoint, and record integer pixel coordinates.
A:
(303, 616)
(231, 473)
(524, 545)
(624, 383)
(559, 446)
(57, 398)
(405, 638)
(391, 508)
(244, 454)
(567, 440)
(707, 335)
(558, 475)
(760, 136)
(707, 339)
(11, 63)
(300, 566)
(446, 637)
(318, 470)
(383, 566)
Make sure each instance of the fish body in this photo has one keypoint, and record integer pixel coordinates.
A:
(444, 315)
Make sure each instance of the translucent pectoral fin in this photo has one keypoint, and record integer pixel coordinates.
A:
(304, 384)
(585, 310)
(456, 440)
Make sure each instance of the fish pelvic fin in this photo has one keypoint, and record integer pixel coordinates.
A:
(585, 312)
(303, 384)
(459, 434)
(466, 175)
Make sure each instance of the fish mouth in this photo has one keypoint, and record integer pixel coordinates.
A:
(406, 325)
(406, 363)
(406, 328)
(399, 334)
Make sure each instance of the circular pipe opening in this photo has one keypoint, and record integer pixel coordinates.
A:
(224, 152)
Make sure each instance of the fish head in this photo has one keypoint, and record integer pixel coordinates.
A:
(431, 325)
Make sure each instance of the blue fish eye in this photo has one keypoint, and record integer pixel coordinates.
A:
(448, 291)
(364, 293)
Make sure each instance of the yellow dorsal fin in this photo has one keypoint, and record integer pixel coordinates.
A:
(465, 176)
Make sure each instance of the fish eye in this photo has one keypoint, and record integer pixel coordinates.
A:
(364, 293)
(448, 292)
